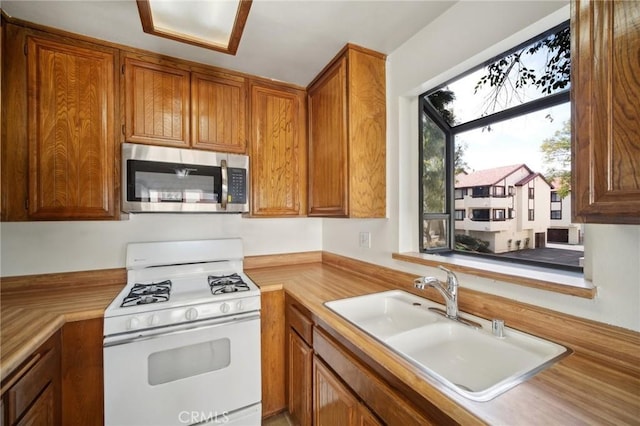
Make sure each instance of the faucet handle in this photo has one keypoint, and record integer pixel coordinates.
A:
(452, 280)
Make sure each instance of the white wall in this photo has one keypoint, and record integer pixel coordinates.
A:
(43, 247)
(465, 35)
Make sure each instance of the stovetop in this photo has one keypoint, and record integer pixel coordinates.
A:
(208, 283)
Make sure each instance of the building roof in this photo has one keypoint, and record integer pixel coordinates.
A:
(487, 177)
(531, 177)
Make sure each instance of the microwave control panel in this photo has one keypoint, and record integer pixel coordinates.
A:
(237, 185)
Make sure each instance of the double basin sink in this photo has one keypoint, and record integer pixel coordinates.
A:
(471, 360)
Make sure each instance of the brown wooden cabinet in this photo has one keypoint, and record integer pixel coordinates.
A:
(605, 86)
(272, 326)
(278, 150)
(219, 110)
(31, 395)
(173, 103)
(299, 363)
(156, 103)
(347, 136)
(82, 373)
(333, 401)
(71, 143)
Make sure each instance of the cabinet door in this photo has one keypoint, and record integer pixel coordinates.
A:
(605, 87)
(300, 357)
(70, 131)
(219, 106)
(328, 157)
(156, 104)
(333, 403)
(278, 151)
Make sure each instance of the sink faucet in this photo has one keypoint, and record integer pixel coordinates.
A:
(449, 290)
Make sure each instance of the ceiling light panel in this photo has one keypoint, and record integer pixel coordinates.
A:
(213, 24)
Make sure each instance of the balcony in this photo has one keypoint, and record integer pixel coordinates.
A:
(484, 225)
(484, 202)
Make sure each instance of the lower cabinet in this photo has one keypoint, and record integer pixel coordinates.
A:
(334, 402)
(329, 384)
(299, 368)
(273, 337)
(82, 377)
(31, 395)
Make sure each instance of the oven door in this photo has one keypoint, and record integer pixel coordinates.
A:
(204, 372)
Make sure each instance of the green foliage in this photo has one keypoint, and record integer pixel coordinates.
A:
(469, 243)
(557, 155)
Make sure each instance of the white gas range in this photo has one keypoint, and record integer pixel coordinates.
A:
(182, 339)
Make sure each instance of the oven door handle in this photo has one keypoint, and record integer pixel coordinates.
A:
(172, 330)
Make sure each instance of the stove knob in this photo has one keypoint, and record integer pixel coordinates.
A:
(240, 306)
(224, 308)
(153, 320)
(133, 323)
(191, 314)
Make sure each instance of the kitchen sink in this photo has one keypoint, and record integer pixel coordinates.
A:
(472, 361)
(385, 314)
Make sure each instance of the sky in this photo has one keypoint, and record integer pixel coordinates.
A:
(511, 142)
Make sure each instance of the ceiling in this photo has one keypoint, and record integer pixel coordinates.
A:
(283, 40)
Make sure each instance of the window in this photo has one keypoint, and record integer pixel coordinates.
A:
(555, 197)
(480, 214)
(483, 132)
(480, 192)
(556, 214)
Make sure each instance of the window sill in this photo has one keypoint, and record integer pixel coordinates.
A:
(564, 282)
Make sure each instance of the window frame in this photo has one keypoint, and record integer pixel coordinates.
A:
(425, 108)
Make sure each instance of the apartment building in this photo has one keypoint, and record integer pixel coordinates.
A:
(507, 206)
(561, 230)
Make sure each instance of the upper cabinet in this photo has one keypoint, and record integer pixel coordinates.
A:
(606, 115)
(347, 136)
(71, 130)
(278, 150)
(219, 109)
(156, 103)
(173, 104)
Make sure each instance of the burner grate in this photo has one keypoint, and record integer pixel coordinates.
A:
(226, 284)
(143, 294)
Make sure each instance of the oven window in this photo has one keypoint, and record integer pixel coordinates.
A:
(187, 361)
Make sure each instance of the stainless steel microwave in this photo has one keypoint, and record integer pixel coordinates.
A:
(161, 179)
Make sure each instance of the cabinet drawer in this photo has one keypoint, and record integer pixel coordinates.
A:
(300, 322)
(27, 389)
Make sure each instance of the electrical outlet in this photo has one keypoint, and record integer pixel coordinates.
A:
(365, 239)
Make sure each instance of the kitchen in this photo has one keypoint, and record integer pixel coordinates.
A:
(612, 255)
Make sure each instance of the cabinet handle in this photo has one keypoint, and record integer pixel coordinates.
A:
(17, 376)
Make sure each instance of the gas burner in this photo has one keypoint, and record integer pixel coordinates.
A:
(143, 294)
(226, 284)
